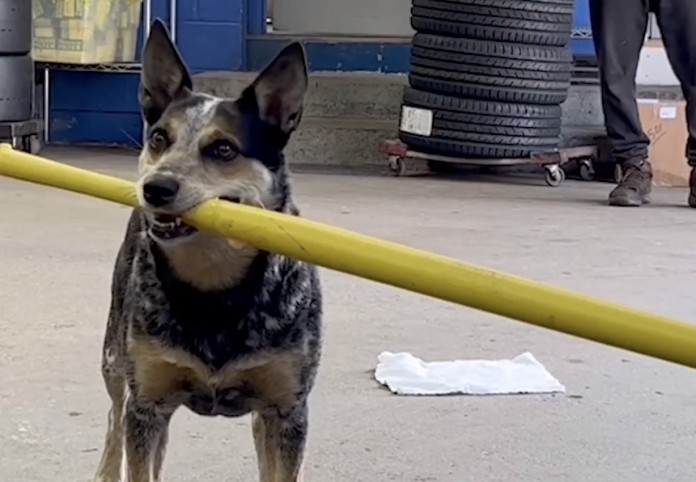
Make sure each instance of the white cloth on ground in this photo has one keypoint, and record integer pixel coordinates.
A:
(404, 374)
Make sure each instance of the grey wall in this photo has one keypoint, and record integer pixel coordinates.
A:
(343, 17)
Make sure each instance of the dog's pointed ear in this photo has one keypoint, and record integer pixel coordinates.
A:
(164, 75)
(280, 89)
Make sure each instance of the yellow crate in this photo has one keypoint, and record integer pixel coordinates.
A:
(86, 31)
(126, 44)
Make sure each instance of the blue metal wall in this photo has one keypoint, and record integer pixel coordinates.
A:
(388, 57)
(101, 108)
(582, 31)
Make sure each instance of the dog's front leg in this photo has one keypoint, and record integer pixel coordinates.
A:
(280, 437)
(146, 427)
(112, 457)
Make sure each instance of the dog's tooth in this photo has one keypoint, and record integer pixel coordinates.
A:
(178, 221)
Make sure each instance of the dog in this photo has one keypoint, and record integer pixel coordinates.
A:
(200, 321)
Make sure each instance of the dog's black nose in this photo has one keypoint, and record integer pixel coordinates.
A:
(160, 191)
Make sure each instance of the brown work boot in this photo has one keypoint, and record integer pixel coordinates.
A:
(635, 186)
(692, 188)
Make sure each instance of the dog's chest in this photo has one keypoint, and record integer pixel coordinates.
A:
(217, 328)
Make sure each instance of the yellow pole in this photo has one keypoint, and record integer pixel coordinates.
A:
(396, 265)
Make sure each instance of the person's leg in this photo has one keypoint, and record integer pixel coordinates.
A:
(677, 22)
(618, 29)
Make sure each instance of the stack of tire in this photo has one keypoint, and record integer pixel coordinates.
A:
(487, 77)
(16, 65)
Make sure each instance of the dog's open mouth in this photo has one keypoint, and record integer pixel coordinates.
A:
(167, 227)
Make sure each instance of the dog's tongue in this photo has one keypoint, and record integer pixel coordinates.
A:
(236, 244)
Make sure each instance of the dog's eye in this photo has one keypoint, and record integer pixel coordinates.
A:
(222, 150)
(158, 139)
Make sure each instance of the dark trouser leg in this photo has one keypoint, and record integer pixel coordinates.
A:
(618, 29)
(677, 21)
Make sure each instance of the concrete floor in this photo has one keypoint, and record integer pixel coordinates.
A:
(625, 417)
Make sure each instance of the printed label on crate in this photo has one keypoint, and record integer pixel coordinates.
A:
(668, 112)
(416, 121)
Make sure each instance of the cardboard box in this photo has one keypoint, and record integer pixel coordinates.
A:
(664, 122)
